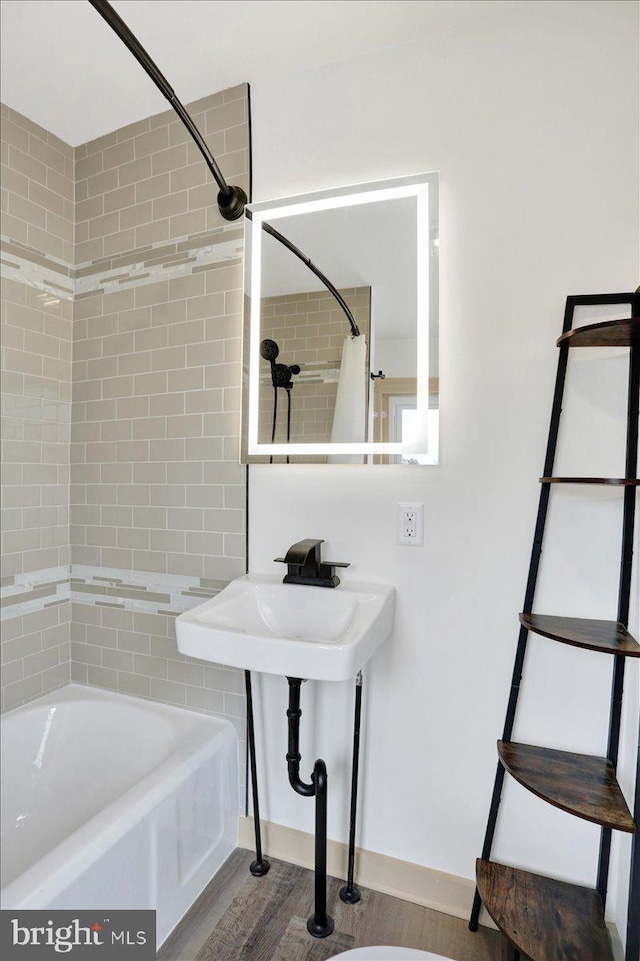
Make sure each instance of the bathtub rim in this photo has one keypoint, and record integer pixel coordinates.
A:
(101, 831)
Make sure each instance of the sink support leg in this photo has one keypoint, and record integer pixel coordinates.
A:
(350, 894)
(320, 925)
(260, 866)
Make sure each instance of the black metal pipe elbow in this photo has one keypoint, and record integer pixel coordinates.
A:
(293, 753)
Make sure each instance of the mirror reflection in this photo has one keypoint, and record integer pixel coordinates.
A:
(341, 326)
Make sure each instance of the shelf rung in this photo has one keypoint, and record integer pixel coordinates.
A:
(547, 920)
(611, 481)
(578, 783)
(609, 637)
(607, 333)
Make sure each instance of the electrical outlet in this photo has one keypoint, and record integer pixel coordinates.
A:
(411, 524)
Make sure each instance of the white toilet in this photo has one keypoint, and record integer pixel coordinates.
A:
(388, 953)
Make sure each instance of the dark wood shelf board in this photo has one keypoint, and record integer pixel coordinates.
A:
(547, 920)
(613, 481)
(609, 637)
(578, 783)
(607, 333)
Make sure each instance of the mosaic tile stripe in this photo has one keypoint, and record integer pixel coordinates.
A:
(140, 591)
(220, 248)
(26, 593)
(29, 266)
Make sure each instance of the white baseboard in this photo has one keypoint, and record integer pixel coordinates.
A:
(412, 882)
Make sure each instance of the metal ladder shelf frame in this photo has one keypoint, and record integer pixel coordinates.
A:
(633, 918)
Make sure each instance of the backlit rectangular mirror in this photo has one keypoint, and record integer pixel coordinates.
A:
(340, 353)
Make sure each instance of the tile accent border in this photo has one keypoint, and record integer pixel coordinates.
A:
(25, 593)
(169, 594)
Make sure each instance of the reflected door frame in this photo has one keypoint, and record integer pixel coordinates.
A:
(384, 389)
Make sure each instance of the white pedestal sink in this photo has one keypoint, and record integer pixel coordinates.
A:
(260, 624)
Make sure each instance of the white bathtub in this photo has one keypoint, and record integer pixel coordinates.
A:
(110, 801)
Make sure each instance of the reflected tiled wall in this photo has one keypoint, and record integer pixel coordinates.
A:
(37, 242)
(310, 329)
(157, 493)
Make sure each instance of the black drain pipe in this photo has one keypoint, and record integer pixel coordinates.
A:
(320, 925)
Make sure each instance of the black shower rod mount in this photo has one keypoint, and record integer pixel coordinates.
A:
(231, 200)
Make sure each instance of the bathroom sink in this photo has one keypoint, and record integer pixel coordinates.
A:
(260, 624)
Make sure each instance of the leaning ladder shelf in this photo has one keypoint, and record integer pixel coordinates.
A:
(546, 919)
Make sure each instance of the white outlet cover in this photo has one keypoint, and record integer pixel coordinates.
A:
(407, 512)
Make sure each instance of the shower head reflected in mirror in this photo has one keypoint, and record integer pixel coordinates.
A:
(269, 350)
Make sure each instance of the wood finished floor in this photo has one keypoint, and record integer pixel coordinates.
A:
(242, 918)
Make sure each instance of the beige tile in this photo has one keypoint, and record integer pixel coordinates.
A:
(167, 450)
(15, 136)
(136, 319)
(105, 224)
(133, 130)
(145, 428)
(185, 519)
(136, 170)
(134, 539)
(183, 225)
(89, 250)
(120, 473)
(116, 516)
(206, 306)
(152, 142)
(60, 184)
(120, 198)
(17, 183)
(46, 154)
(102, 182)
(139, 363)
(154, 293)
(152, 188)
(136, 215)
(205, 700)
(185, 565)
(151, 338)
(22, 691)
(118, 660)
(188, 177)
(167, 495)
(167, 160)
(90, 208)
(187, 425)
(212, 352)
(171, 205)
(28, 165)
(101, 677)
(25, 210)
(167, 540)
(168, 358)
(119, 242)
(152, 233)
(150, 473)
(88, 166)
(134, 684)
(163, 404)
(118, 387)
(153, 383)
(120, 153)
(15, 229)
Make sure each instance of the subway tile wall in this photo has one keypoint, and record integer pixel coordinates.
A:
(35, 334)
(157, 494)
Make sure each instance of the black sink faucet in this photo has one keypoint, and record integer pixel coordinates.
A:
(305, 565)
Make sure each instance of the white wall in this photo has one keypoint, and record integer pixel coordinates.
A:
(533, 127)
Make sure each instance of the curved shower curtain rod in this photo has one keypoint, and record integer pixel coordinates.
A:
(355, 332)
(231, 200)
